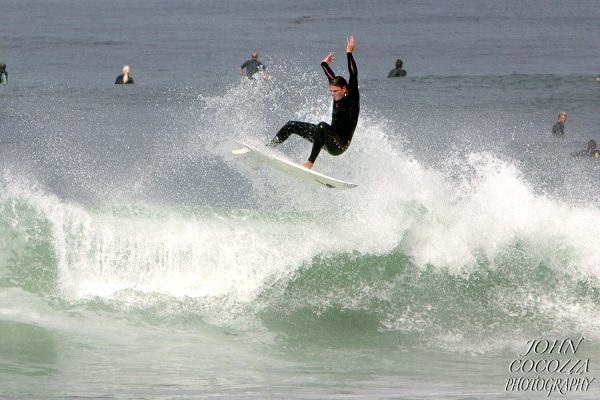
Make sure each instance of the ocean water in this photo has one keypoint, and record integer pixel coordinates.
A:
(140, 259)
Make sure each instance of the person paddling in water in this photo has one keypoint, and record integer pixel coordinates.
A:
(346, 106)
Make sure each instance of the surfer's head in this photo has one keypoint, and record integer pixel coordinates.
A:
(562, 117)
(338, 88)
(126, 69)
(398, 63)
(254, 55)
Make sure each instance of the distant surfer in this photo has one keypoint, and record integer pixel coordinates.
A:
(124, 78)
(252, 66)
(3, 74)
(591, 151)
(397, 72)
(558, 129)
(346, 106)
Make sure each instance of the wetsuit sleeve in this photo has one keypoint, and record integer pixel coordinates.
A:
(328, 71)
(353, 71)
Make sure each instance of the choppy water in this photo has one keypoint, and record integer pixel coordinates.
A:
(140, 259)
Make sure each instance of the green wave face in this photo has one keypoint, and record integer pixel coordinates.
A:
(183, 267)
(27, 257)
(387, 300)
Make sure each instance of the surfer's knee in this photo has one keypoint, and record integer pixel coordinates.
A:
(323, 130)
(334, 150)
(324, 126)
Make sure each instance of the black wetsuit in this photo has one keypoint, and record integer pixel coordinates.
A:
(252, 67)
(586, 153)
(397, 73)
(3, 74)
(591, 151)
(337, 136)
(119, 80)
(558, 129)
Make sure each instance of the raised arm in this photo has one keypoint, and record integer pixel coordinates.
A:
(351, 63)
(325, 64)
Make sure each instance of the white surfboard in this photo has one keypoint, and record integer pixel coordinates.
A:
(307, 175)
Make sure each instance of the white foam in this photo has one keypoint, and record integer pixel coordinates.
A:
(208, 255)
(400, 202)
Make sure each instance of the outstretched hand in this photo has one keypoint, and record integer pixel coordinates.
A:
(328, 58)
(350, 44)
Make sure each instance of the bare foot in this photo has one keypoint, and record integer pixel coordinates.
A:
(307, 164)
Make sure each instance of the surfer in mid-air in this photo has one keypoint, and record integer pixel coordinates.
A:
(346, 106)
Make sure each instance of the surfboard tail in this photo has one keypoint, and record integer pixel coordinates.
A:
(243, 150)
(293, 169)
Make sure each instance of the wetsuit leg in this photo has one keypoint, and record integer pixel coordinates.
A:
(321, 135)
(303, 129)
(320, 138)
(326, 137)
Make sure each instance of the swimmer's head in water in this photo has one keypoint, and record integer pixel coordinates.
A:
(398, 63)
(338, 88)
(592, 145)
(562, 117)
(126, 69)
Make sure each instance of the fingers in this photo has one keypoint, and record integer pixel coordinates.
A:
(350, 43)
(329, 57)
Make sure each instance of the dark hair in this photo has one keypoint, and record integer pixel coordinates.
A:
(339, 81)
(592, 145)
(399, 63)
